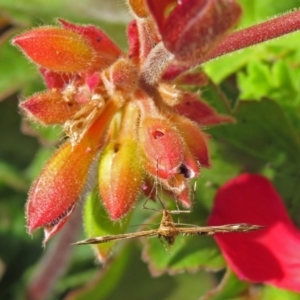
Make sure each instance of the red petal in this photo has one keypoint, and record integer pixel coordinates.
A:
(106, 50)
(199, 111)
(271, 255)
(50, 107)
(58, 49)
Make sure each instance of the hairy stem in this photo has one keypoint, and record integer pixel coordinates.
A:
(256, 34)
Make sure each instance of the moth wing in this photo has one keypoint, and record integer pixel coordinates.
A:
(117, 237)
(210, 230)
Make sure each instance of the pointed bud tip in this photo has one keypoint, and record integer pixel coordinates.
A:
(57, 49)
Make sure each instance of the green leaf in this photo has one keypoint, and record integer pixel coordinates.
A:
(262, 141)
(286, 180)
(12, 177)
(106, 280)
(221, 68)
(278, 81)
(47, 135)
(273, 293)
(257, 82)
(230, 288)
(262, 135)
(215, 97)
(39, 161)
(255, 11)
(211, 179)
(189, 253)
(98, 223)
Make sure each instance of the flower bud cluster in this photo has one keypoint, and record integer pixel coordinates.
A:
(123, 111)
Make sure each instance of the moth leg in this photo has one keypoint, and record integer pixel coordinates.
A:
(161, 239)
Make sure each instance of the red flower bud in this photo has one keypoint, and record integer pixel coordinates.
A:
(162, 147)
(58, 49)
(50, 107)
(57, 189)
(194, 138)
(120, 177)
(121, 172)
(190, 29)
(106, 50)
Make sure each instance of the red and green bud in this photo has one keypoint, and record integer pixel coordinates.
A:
(57, 189)
(93, 86)
(120, 177)
(58, 49)
(162, 147)
(105, 49)
(191, 29)
(195, 139)
(121, 172)
(50, 107)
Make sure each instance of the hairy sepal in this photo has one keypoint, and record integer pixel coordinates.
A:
(49, 107)
(58, 49)
(199, 111)
(192, 28)
(120, 177)
(106, 51)
(162, 147)
(58, 187)
(195, 139)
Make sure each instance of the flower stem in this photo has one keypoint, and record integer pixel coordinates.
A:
(256, 34)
